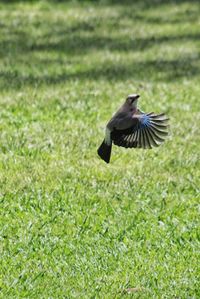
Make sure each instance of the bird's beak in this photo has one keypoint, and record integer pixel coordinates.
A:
(135, 98)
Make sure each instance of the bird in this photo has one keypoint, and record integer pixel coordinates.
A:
(132, 128)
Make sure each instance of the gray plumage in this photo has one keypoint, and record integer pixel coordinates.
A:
(131, 128)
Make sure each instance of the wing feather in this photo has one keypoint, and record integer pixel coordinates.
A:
(149, 131)
(147, 139)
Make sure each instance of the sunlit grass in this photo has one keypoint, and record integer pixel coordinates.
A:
(72, 226)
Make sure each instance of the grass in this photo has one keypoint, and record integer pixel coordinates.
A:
(72, 226)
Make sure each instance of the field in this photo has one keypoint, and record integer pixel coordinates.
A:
(71, 225)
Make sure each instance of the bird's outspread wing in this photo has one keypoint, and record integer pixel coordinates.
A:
(149, 130)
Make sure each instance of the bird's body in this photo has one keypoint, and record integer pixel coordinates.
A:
(130, 127)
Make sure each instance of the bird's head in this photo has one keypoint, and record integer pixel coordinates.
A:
(132, 99)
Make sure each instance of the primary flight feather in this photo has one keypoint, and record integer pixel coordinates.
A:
(132, 128)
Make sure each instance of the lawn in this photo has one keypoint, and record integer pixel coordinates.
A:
(71, 225)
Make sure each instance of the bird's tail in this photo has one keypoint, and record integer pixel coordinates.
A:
(104, 151)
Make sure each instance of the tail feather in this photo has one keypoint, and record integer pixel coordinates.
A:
(104, 151)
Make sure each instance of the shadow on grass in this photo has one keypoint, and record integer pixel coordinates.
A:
(77, 39)
(79, 44)
(155, 70)
(143, 3)
(82, 37)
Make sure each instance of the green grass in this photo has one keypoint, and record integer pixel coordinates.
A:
(72, 226)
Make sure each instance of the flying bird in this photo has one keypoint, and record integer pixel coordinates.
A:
(131, 128)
